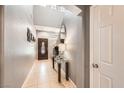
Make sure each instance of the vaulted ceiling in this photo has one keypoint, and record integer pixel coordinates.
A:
(44, 16)
(51, 17)
(48, 19)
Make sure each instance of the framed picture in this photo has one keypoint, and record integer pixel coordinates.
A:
(28, 35)
(31, 36)
(33, 39)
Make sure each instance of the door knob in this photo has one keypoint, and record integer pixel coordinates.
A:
(95, 66)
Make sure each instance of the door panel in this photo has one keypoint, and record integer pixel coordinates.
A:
(105, 81)
(106, 11)
(108, 46)
(42, 48)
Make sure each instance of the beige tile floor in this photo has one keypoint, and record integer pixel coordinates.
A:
(42, 75)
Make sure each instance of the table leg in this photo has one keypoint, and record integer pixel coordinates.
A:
(59, 72)
(67, 70)
(53, 62)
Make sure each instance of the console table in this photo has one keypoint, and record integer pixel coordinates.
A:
(59, 62)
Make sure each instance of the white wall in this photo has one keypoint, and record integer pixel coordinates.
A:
(44, 16)
(75, 47)
(19, 53)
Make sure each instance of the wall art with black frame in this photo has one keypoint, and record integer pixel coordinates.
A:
(30, 36)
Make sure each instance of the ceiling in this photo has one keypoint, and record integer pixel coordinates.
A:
(44, 16)
(48, 19)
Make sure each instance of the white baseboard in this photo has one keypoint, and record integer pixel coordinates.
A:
(27, 78)
(69, 79)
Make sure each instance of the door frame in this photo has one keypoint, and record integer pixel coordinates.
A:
(1, 44)
(91, 44)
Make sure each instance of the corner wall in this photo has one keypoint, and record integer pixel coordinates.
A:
(87, 47)
(19, 54)
(77, 43)
(1, 42)
(75, 47)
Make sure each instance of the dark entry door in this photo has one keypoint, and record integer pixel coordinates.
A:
(42, 48)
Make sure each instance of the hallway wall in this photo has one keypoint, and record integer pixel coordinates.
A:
(75, 47)
(19, 53)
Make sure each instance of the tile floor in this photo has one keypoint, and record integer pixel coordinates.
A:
(42, 75)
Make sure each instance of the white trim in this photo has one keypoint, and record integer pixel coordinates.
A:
(69, 79)
(72, 82)
(91, 45)
(27, 78)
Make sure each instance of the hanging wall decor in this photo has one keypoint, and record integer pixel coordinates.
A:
(30, 36)
(34, 39)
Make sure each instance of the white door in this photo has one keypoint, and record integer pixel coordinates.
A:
(107, 46)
